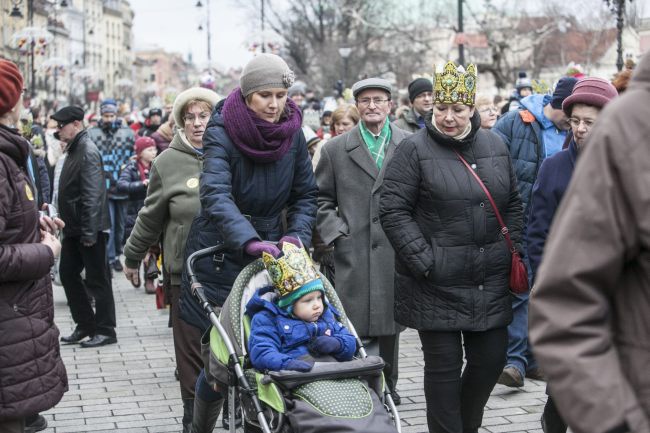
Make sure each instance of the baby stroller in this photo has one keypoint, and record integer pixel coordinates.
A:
(332, 397)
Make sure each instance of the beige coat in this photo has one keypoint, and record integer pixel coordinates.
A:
(590, 310)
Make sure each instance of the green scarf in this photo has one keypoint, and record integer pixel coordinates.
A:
(377, 146)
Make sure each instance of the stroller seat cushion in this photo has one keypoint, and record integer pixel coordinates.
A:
(325, 397)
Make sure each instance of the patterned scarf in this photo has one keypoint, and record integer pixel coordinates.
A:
(376, 145)
(256, 138)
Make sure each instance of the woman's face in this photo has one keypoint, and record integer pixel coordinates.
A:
(452, 119)
(268, 104)
(488, 115)
(343, 125)
(196, 119)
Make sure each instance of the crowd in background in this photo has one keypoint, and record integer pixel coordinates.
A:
(370, 181)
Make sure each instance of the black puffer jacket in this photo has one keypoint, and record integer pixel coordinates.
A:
(440, 223)
(32, 374)
(82, 192)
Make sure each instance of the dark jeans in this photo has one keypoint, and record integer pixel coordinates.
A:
(74, 258)
(519, 354)
(455, 402)
(117, 210)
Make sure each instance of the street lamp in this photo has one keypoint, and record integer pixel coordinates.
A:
(200, 5)
(16, 13)
(345, 52)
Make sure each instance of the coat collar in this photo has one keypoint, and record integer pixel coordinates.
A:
(360, 154)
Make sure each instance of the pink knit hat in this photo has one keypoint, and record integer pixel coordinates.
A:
(593, 91)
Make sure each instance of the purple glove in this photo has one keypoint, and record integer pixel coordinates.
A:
(256, 248)
(289, 239)
(298, 365)
(325, 345)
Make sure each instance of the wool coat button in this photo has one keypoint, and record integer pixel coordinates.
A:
(286, 326)
(482, 204)
(480, 287)
(482, 250)
(375, 219)
(16, 308)
(473, 166)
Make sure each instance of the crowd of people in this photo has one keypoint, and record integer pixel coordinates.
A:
(408, 209)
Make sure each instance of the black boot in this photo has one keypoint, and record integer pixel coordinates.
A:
(205, 415)
(188, 410)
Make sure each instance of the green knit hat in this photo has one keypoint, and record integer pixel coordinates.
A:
(291, 297)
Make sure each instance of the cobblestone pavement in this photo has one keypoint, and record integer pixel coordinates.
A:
(130, 386)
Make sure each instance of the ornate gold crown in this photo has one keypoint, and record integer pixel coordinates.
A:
(291, 271)
(455, 85)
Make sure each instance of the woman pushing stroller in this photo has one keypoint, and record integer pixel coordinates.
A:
(292, 324)
(255, 165)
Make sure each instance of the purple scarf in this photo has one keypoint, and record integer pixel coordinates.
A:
(256, 138)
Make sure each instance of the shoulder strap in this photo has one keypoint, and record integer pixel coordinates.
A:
(504, 229)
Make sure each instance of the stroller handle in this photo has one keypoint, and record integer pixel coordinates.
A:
(233, 362)
(196, 255)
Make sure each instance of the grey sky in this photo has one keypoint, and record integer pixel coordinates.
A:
(173, 24)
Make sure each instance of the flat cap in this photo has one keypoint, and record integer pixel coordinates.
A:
(371, 83)
(68, 114)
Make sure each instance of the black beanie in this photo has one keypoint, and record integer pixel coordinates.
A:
(563, 90)
(419, 85)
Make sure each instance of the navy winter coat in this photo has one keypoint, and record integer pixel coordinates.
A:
(276, 337)
(243, 200)
(552, 182)
(131, 185)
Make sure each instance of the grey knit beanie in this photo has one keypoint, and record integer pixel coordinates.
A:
(265, 71)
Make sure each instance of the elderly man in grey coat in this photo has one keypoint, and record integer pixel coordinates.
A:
(349, 174)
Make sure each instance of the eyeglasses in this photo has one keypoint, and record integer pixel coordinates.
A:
(203, 117)
(575, 123)
(377, 101)
(490, 109)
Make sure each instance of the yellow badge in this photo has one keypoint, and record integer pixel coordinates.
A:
(28, 193)
(192, 182)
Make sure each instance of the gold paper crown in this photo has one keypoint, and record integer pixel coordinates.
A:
(455, 85)
(291, 271)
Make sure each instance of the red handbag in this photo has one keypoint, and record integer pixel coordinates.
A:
(518, 271)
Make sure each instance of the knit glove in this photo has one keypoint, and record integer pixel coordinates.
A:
(289, 239)
(297, 365)
(325, 345)
(256, 248)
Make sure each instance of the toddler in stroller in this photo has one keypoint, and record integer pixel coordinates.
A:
(326, 396)
(293, 325)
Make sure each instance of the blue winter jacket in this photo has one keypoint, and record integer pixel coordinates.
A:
(552, 182)
(242, 200)
(523, 132)
(276, 337)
